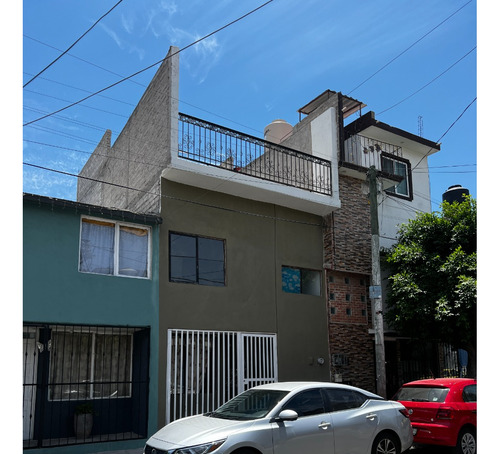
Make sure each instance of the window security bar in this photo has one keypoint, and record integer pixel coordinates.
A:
(84, 384)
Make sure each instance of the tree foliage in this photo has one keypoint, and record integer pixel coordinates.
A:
(433, 278)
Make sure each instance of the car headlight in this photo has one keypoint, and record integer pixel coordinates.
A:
(198, 449)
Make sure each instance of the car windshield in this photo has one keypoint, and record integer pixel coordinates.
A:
(422, 394)
(251, 404)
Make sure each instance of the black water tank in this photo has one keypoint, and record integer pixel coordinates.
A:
(455, 193)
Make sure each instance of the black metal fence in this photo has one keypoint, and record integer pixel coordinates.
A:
(408, 360)
(214, 145)
(84, 384)
(421, 360)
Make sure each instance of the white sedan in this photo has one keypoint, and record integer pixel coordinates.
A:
(289, 418)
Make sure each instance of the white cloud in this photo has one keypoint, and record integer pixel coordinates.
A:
(139, 51)
(128, 23)
(131, 48)
(112, 34)
(156, 17)
(169, 6)
(208, 46)
(44, 182)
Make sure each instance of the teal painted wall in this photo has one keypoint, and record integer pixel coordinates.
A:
(54, 291)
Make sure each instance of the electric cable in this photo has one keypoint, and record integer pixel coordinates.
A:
(427, 84)
(81, 89)
(446, 132)
(412, 170)
(134, 105)
(408, 48)
(152, 65)
(178, 199)
(81, 59)
(409, 208)
(81, 104)
(72, 45)
(419, 161)
(248, 127)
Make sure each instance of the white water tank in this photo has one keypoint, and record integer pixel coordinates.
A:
(277, 131)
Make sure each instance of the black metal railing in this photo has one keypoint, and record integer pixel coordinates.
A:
(363, 152)
(215, 145)
(84, 384)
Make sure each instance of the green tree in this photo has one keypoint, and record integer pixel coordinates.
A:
(433, 278)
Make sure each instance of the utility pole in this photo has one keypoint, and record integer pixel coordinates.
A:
(376, 287)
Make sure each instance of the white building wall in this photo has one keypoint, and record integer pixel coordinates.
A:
(394, 211)
(324, 144)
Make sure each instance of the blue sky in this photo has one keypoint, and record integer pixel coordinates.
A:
(405, 59)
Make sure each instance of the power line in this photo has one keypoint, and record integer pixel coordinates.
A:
(133, 105)
(446, 132)
(428, 83)
(408, 48)
(451, 165)
(407, 207)
(413, 169)
(232, 210)
(81, 59)
(152, 65)
(83, 105)
(228, 119)
(81, 89)
(72, 45)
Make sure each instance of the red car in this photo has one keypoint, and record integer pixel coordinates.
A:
(442, 412)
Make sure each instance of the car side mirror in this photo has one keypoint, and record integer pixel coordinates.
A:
(286, 415)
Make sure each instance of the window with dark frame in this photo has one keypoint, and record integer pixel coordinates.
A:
(402, 169)
(300, 280)
(197, 260)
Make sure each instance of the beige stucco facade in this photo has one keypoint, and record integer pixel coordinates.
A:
(259, 239)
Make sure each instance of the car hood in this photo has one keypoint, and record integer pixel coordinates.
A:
(195, 430)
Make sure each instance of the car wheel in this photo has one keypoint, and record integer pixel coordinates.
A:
(466, 443)
(385, 444)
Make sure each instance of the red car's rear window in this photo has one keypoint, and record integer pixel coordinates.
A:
(422, 394)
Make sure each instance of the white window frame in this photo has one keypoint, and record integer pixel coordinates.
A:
(116, 247)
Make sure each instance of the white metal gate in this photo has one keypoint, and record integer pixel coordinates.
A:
(207, 368)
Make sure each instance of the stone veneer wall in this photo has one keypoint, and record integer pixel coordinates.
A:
(347, 230)
(347, 257)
